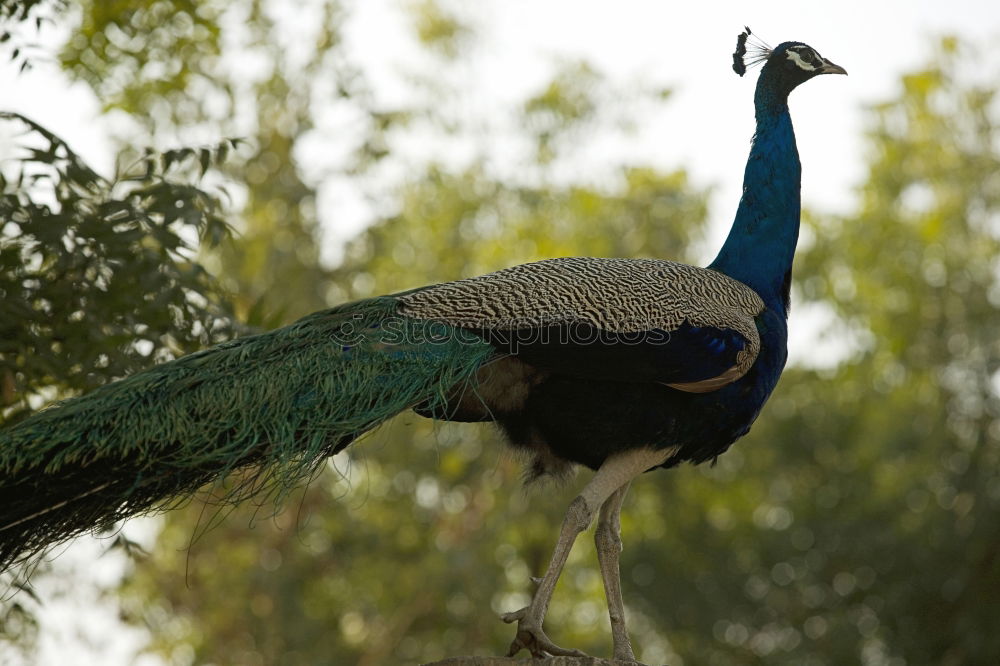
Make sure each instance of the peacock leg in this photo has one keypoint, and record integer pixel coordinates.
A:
(615, 473)
(608, 540)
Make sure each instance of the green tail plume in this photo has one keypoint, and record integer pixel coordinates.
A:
(275, 404)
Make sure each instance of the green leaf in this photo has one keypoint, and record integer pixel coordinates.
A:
(204, 159)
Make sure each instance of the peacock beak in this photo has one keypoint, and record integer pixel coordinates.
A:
(830, 68)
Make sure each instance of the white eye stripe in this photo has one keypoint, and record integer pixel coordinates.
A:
(794, 56)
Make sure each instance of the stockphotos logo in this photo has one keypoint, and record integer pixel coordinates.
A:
(511, 334)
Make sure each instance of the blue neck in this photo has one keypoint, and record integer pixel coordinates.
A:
(761, 243)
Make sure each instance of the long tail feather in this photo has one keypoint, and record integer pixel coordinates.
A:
(276, 403)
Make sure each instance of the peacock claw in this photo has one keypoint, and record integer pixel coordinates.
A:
(530, 637)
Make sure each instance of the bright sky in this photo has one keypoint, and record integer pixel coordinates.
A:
(708, 123)
(706, 126)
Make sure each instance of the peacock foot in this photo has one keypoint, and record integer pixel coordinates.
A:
(530, 637)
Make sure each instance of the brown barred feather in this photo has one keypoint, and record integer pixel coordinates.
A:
(616, 295)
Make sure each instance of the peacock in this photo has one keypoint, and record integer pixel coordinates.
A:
(618, 365)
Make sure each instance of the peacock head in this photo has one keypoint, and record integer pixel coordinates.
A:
(786, 66)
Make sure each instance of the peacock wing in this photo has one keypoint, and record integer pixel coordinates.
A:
(614, 319)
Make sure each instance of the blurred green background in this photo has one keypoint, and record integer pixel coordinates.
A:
(857, 523)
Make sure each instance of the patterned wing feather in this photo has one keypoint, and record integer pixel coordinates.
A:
(617, 296)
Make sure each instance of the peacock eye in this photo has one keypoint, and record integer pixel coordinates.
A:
(805, 58)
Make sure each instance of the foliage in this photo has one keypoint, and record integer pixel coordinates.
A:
(22, 10)
(184, 69)
(453, 225)
(97, 279)
(98, 276)
(18, 625)
(439, 29)
(19, 17)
